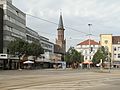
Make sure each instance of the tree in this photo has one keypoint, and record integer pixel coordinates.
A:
(34, 49)
(73, 56)
(21, 46)
(100, 54)
(17, 46)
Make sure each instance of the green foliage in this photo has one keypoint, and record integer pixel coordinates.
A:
(17, 46)
(34, 49)
(22, 46)
(73, 56)
(100, 54)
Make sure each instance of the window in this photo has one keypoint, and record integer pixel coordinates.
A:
(115, 49)
(90, 57)
(9, 18)
(118, 55)
(91, 49)
(114, 55)
(81, 51)
(85, 51)
(118, 48)
(10, 28)
(17, 13)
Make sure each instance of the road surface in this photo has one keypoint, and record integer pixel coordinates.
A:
(59, 80)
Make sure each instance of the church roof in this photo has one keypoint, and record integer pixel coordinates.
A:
(86, 42)
(60, 25)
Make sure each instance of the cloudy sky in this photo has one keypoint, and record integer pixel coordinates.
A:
(104, 15)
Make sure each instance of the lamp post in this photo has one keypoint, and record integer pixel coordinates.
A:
(89, 35)
(89, 42)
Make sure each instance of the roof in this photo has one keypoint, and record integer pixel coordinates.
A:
(60, 25)
(116, 39)
(87, 42)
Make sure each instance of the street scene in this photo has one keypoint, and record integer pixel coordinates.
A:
(59, 45)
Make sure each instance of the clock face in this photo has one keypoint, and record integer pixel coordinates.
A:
(106, 41)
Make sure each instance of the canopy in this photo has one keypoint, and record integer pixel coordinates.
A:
(87, 62)
(28, 62)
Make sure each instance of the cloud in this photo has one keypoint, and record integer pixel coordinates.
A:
(103, 14)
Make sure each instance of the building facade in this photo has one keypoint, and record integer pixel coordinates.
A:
(46, 44)
(1, 28)
(116, 50)
(13, 24)
(106, 41)
(113, 44)
(32, 36)
(87, 48)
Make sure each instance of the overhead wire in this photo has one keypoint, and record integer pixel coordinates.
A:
(55, 23)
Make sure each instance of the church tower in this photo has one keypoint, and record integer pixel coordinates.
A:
(60, 39)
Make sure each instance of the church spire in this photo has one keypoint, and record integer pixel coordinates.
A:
(60, 25)
(60, 41)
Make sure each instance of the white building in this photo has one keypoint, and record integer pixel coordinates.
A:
(46, 44)
(88, 48)
(32, 36)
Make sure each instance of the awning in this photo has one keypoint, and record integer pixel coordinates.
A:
(87, 62)
(28, 62)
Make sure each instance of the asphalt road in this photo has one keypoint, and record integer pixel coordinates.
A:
(59, 80)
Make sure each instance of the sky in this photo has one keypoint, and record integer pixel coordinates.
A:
(104, 15)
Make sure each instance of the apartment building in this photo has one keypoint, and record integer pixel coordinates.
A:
(13, 24)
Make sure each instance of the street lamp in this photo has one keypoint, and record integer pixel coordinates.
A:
(89, 41)
(89, 35)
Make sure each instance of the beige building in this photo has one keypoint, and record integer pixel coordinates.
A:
(113, 44)
(106, 41)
